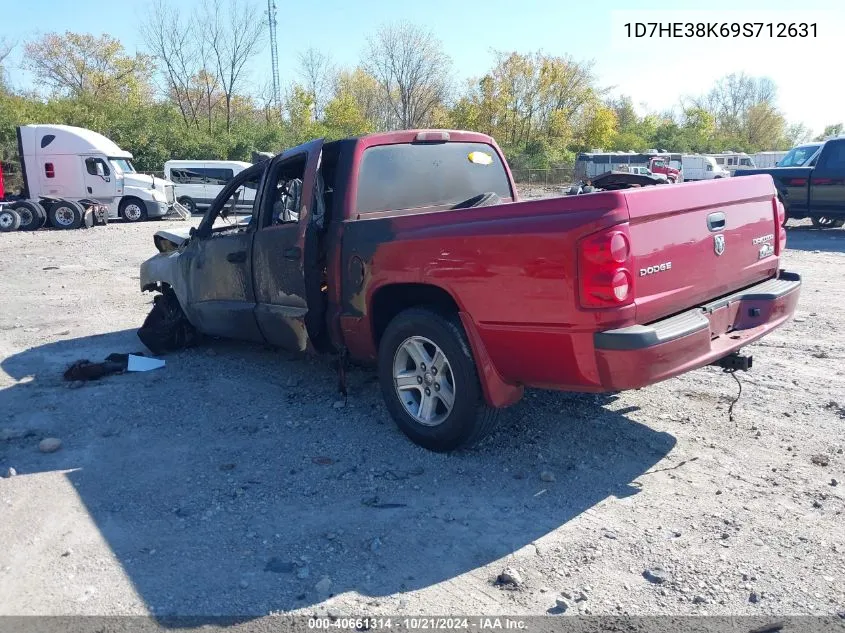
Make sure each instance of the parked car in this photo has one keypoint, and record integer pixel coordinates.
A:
(411, 250)
(800, 155)
(71, 170)
(645, 171)
(816, 188)
(701, 167)
(198, 182)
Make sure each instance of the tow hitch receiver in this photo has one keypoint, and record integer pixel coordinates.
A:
(735, 362)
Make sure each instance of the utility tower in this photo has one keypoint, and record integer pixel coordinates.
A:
(274, 54)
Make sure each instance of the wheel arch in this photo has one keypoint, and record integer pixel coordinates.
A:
(161, 272)
(391, 299)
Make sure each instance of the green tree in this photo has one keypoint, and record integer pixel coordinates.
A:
(830, 130)
(81, 65)
(600, 128)
(343, 117)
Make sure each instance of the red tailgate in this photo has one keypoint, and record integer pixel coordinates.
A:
(693, 242)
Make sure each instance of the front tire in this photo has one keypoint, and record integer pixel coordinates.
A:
(429, 381)
(132, 210)
(166, 328)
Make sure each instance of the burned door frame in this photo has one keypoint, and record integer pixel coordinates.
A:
(218, 269)
(280, 253)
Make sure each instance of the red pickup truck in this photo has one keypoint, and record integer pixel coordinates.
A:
(412, 251)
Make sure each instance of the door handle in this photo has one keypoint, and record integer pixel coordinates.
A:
(294, 252)
(716, 221)
(238, 257)
(89, 190)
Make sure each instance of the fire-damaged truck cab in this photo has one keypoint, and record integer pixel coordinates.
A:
(411, 251)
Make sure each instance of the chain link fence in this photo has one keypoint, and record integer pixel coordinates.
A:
(536, 183)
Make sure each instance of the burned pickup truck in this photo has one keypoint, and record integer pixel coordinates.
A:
(410, 250)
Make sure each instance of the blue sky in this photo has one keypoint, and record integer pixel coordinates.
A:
(655, 73)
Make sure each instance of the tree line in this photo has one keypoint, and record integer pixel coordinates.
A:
(191, 94)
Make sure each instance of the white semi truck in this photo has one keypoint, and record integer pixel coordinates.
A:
(71, 172)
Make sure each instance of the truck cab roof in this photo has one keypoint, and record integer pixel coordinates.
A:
(67, 139)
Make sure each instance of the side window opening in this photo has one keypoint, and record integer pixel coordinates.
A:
(187, 176)
(218, 176)
(286, 195)
(236, 212)
(91, 166)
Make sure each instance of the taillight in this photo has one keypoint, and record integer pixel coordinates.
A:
(49, 171)
(604, 269)
(780, 230)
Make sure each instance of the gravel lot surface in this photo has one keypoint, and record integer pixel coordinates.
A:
(232, 481)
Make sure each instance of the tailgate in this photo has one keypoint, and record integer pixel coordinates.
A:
(693, 242)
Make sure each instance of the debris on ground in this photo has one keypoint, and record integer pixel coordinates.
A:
(656, 575)
(820, 460)
(49, 445)
(136, 362)
(84, 370)
(509, 577)
(10, 472)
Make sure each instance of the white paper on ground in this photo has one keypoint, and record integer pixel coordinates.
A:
(142, 363)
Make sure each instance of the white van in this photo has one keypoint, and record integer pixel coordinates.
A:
(72, 163)
(199, 181)
(700, 167)
(732, 161)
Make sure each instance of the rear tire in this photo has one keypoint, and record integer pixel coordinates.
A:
(66, 214)
(429, 381)
(33, 216)
(10, 220)
(132, 209)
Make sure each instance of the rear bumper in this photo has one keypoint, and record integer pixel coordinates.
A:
(640, 355)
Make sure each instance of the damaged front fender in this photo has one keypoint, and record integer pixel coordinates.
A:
(165, 268)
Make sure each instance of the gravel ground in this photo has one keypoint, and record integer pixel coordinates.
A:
(232, 482)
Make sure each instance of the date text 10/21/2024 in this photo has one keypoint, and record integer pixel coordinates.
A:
(720, 30)
(480, 623)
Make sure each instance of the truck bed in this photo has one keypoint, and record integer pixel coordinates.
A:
(514, 268)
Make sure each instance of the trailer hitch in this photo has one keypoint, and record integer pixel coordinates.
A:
(734, 362)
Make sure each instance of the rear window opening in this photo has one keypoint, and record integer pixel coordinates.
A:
(409, 176)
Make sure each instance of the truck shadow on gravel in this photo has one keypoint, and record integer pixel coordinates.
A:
(227, 483)
(808, 238)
